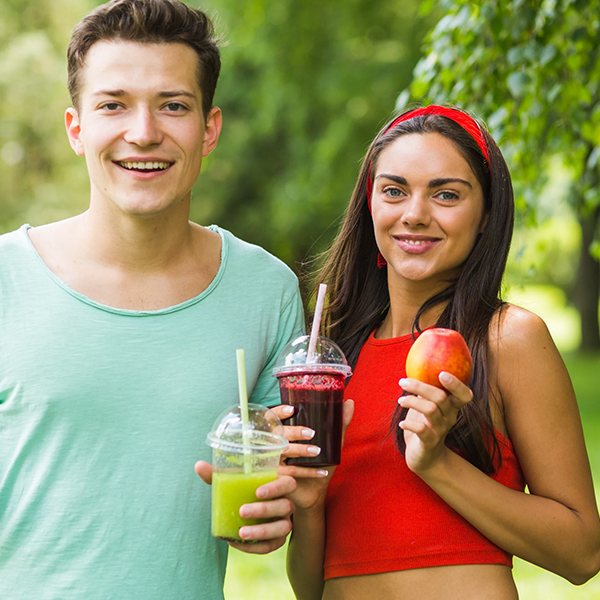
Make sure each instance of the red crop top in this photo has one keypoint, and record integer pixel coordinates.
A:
(380, 516)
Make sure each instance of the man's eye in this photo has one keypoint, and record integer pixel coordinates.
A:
(175, 107)
(111, 106)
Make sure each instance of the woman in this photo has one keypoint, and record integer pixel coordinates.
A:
(429, 500)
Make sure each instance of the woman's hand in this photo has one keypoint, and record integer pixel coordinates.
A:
(311, 482)
(432, 413)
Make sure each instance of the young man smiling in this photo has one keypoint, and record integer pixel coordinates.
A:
(118, 330)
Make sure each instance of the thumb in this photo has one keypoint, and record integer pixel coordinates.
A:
(204, 470)
(347, 416)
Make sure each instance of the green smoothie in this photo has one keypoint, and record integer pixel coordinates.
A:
(229, 491)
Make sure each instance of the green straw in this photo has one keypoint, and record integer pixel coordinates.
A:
(243, 389)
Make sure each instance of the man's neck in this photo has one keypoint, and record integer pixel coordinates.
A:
(131, 263)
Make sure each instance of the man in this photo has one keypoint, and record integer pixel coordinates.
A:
(118, 330)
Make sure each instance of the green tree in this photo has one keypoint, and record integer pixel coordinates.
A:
(532, 71)
(305, 85)
(42, 180)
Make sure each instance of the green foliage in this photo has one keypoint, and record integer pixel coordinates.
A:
(532, 70)
(305, 86)
(41, 178)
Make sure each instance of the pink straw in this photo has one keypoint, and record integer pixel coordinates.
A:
(316, 324)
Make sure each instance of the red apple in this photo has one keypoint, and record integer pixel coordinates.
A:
(437, 350)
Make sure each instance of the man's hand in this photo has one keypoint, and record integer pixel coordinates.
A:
(274, 505)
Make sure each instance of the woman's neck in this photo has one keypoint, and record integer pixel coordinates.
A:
(405, 302)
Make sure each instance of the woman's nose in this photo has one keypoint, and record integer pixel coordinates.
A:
(416, 210)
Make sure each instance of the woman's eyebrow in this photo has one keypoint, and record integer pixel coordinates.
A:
(446, 180)
(432, 183)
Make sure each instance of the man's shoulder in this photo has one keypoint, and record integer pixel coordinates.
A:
(12, 241)
(255, 259)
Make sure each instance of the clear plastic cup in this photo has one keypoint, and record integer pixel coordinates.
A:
(244, 458)
(316, 390)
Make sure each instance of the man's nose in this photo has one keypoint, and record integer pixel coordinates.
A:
(144, 129)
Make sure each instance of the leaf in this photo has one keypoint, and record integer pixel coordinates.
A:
(517, 81)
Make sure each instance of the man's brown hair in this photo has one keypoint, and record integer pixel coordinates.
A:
(148, 21)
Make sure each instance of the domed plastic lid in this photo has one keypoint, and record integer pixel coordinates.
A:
(264, 431)
(328, 358)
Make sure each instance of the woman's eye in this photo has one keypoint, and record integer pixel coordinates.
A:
(392, 192)
(449, 196)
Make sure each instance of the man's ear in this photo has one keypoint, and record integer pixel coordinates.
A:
(212, 130)
(74, 131)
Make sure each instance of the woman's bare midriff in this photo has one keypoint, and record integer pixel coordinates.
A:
(480, 582)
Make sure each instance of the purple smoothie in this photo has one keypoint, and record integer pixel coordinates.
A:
(318, 400)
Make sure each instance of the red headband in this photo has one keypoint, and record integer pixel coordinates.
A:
(458, 116)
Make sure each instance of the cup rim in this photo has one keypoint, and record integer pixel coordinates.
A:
(327, 368)
(275, 443)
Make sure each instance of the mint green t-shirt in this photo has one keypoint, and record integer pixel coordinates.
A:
(103, 413)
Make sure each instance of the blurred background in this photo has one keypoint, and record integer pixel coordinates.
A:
(305, 86)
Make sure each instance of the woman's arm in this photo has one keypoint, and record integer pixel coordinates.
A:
(306, 549)
(556, 525)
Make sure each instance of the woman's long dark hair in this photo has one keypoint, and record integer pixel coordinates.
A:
(358, 290)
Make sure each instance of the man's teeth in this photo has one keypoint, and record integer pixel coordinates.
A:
(144, 165)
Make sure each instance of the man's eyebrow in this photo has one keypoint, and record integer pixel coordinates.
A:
(175, 93)
(165, 94)
(432, 183)
(114, 93)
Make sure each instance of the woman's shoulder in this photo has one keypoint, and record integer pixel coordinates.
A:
(514, 328)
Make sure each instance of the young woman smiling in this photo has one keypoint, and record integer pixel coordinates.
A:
(429, 501)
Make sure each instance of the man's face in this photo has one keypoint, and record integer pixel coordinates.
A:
(140, 126)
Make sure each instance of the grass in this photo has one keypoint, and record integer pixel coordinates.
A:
(263, 577)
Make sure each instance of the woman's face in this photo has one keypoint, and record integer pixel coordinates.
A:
(427, 207)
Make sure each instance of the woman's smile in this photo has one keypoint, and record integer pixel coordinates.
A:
(427, 209)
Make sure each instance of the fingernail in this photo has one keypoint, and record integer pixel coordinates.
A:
(445, 377)
(400, 401)
(314, 450)
(245, 511)
(322, 473)
(402, 382)
(244, 532)
(308, 433)
(260, 493)
(287, 410)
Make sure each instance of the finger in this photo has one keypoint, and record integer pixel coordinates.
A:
(263, 547)
(204, 470)
(418, 388)
(428, 410)
(420, 428)
(266, 531)
(302, 472)
(282, 486)
(281, 508)
(295, 433)
(283, 411)
(301, 450)
(461, 394)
